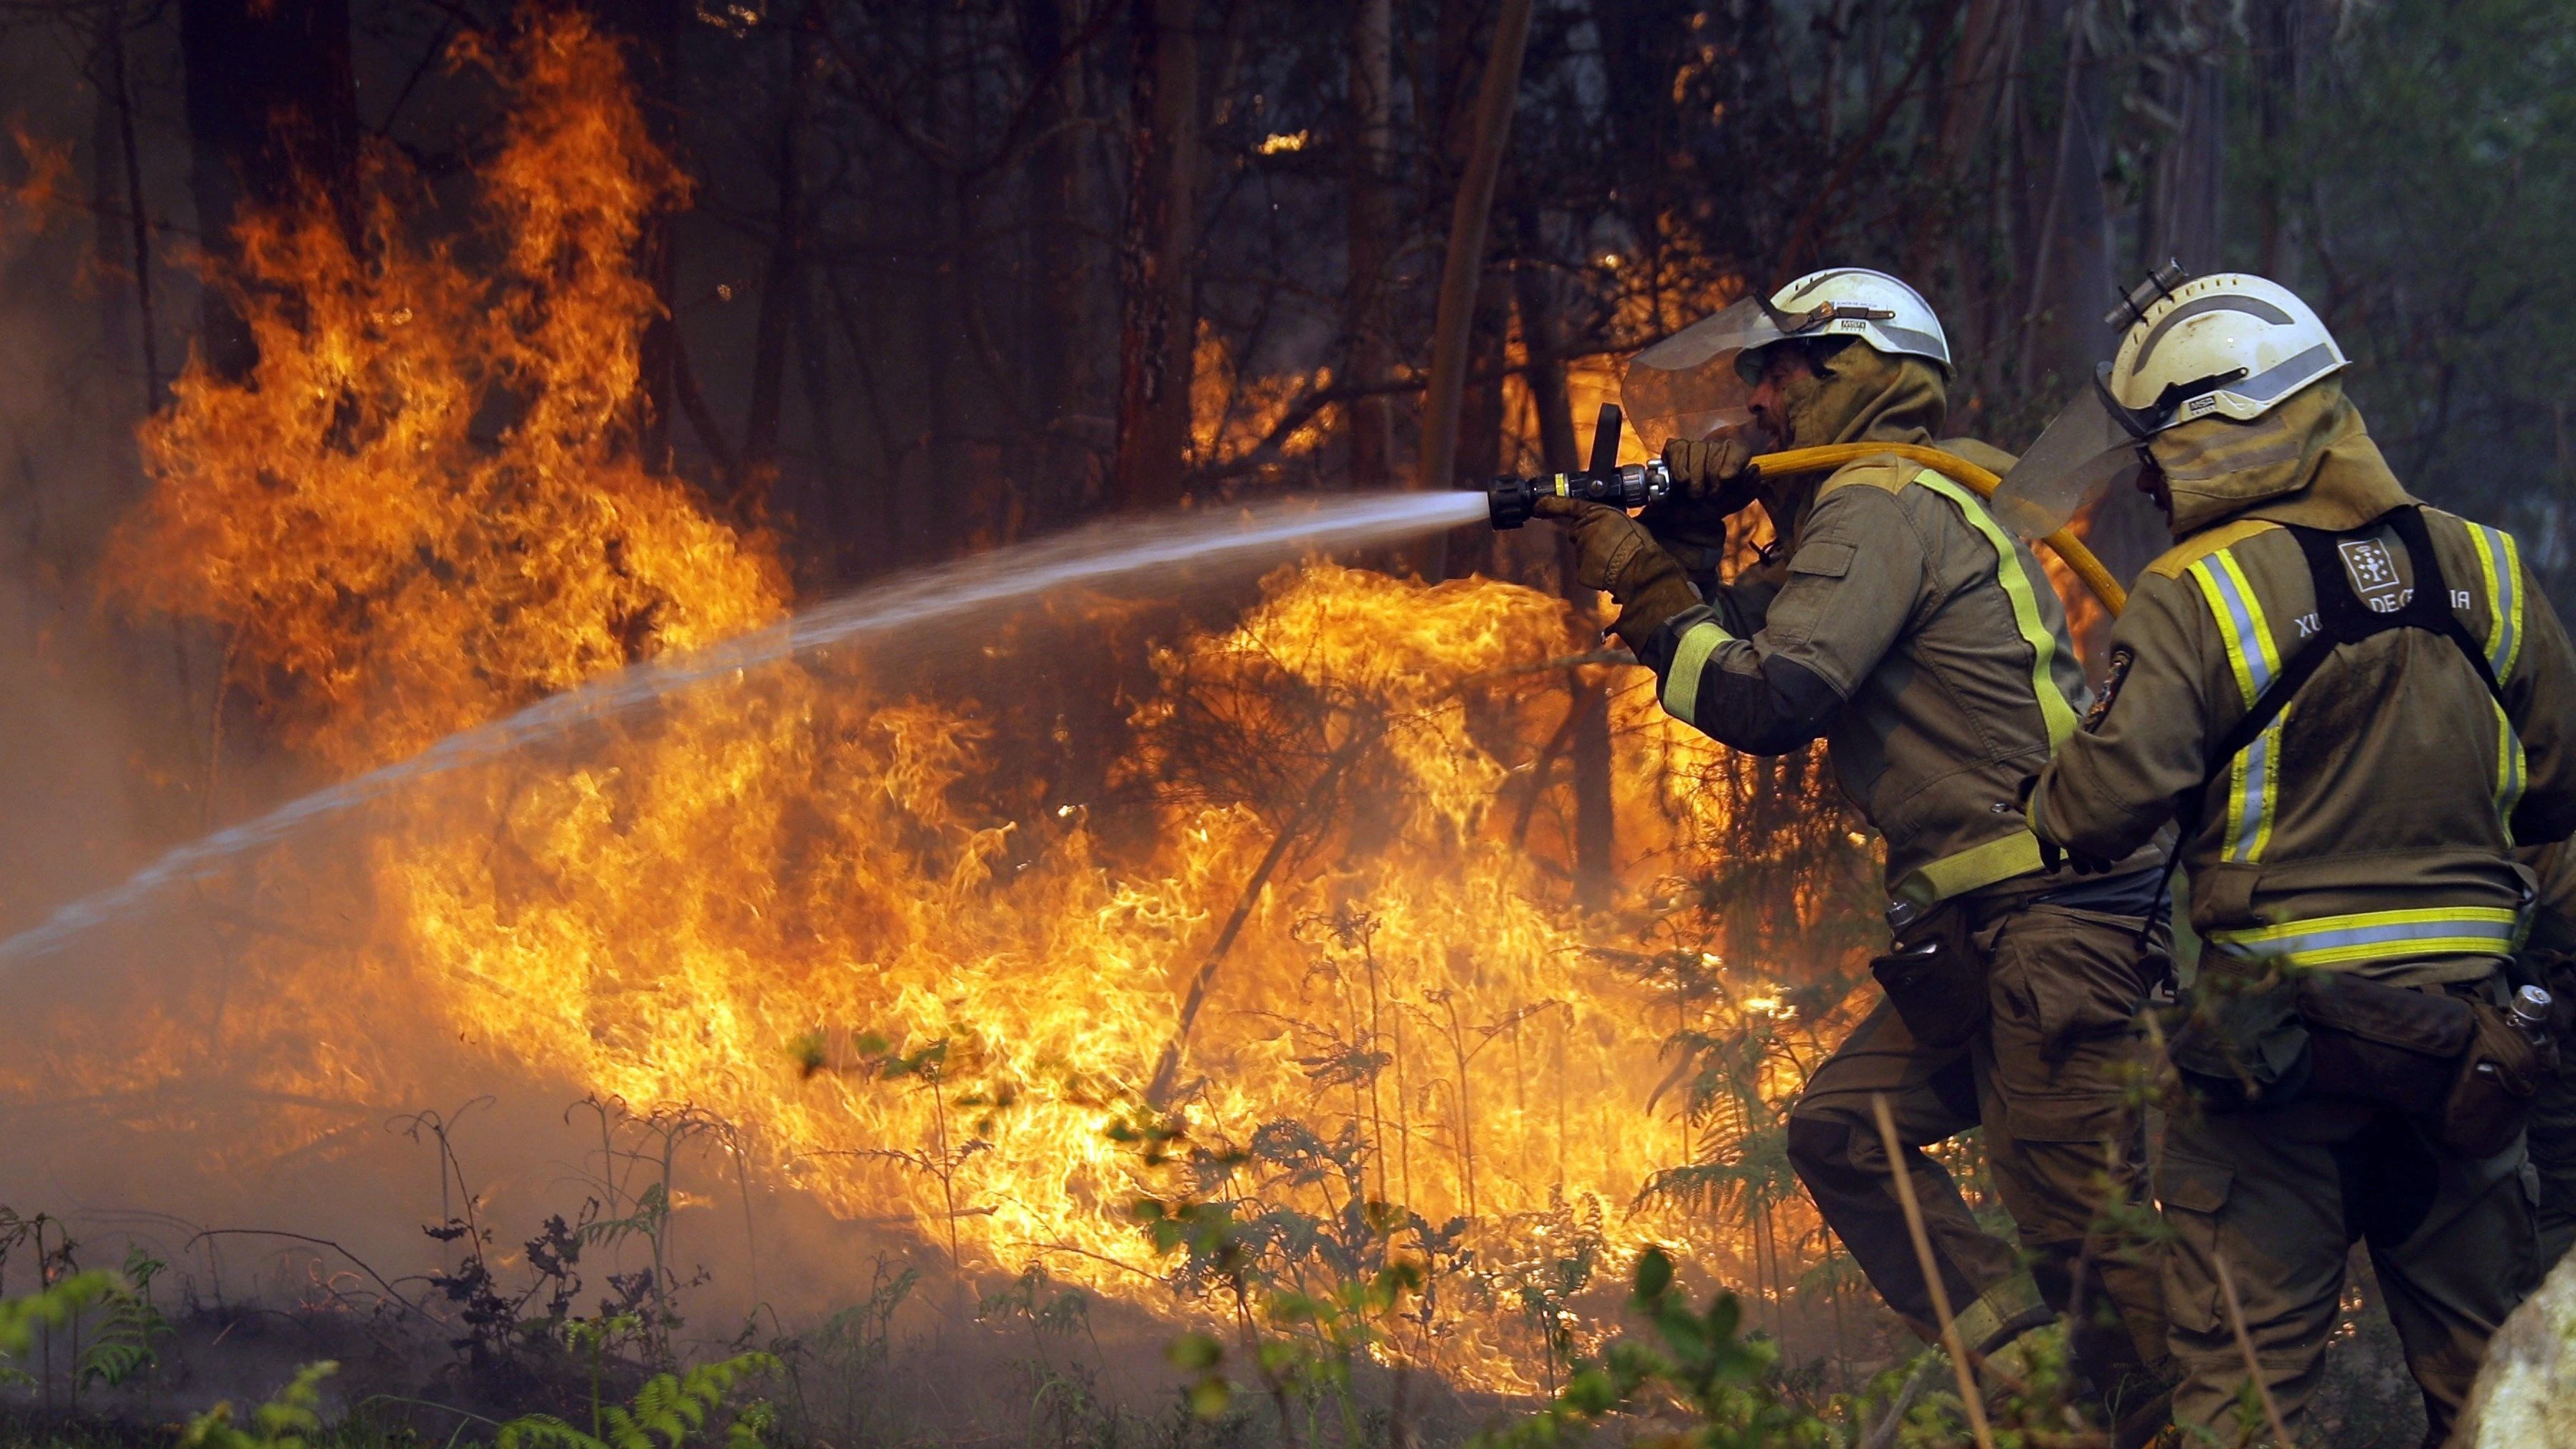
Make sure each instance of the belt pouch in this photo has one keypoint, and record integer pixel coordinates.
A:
(1935, 977)
(2490, 1097)
(2383, 1043)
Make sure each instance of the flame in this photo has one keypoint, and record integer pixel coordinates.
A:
(851, 921)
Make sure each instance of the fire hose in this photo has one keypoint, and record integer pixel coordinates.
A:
(1634, 485)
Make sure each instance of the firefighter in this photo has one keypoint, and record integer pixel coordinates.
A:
(1900, 622)
(2549, 960)
(2355, 705)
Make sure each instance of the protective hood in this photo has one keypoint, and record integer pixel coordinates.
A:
(1864, 396)
(2309, 461)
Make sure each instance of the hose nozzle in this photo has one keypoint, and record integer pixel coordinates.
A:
(1621, 485)
(1628, 485)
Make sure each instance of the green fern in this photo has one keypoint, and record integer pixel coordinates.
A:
(281, 1423)
(666, 1412)
(134, 1322)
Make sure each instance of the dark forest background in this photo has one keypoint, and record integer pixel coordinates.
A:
(956, 272)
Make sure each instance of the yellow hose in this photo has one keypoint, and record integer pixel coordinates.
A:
(2063, 542)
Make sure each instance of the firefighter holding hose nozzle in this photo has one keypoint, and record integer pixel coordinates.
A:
(2360, 706)
(1899, 620)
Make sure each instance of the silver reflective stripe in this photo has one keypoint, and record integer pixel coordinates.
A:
(2381, 935)
(1681, 684)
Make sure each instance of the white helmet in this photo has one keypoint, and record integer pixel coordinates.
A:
(1857, 302)
(1698, 381)
(2227, 345)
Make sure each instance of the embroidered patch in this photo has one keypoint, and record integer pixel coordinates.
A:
(2122, 656)
(2367, 564)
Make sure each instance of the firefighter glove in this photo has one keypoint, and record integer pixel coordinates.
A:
(2051, 854)
(1717, 476)
(1615, 553)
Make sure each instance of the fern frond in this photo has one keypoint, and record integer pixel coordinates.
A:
(545, 1431)
(281, 1423)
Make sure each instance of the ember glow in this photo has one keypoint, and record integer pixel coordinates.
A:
(919, 961)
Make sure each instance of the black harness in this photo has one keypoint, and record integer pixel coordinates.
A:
(2343, 617)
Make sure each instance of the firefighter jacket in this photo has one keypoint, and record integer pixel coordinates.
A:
(1901, 622)
(2367, 823)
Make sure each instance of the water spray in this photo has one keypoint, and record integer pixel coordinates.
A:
(1511, 501)
(1160, 551)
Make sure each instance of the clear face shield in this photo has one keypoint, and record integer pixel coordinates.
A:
(1691, 385)
(2090, 448)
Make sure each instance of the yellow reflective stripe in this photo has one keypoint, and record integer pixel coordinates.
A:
(2254, 794)
(2054, 711)
(2254, 776)
(1978, 865)
(2500, 568)
(2381, 935)
(2250, 652)
(2511, 768)
(1681, 682)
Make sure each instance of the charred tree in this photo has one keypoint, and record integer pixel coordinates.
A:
(1158, 324)
(272, 109)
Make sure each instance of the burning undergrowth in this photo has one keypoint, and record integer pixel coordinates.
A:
(957, 936)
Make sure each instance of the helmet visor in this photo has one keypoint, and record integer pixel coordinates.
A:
(1689, 385)
(2084, 453)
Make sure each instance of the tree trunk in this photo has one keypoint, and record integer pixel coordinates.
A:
(652, 31)
(2188, 95)
(2067, 267)
(781, 283)
(1462, 267)
(1986, 48)
(2278, 53)
(1056, 194)
(122, 237)
(1479, 447)
(1158, 326)
(1367, 356)
(1595, 826)
(272, 111)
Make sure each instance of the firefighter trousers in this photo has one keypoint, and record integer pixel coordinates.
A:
(2280, 1194)
(2056, 1079)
